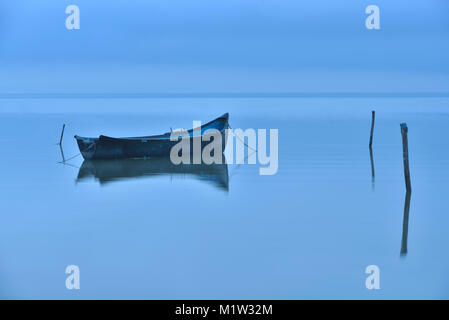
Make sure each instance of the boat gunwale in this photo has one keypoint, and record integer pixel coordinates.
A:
(165, 136)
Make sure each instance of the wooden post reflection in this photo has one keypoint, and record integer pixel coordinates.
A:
(62, 153)
(372, 166)
(408, 195)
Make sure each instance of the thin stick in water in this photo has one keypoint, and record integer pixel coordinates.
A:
(404, 131)
(373, 117)
(62, 134)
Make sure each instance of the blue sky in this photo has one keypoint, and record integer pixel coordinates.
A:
(255, 36)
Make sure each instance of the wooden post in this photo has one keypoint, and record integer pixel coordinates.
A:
(62, 134)
(404, 131)
(373, 116)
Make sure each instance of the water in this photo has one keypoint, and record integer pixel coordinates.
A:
(307, 232)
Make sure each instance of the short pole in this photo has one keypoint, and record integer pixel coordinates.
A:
(404, 131)
(373, 117)
(62, 134)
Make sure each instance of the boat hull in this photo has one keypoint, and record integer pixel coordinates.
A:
(151, 146)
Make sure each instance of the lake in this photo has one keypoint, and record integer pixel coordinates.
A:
(307, 232)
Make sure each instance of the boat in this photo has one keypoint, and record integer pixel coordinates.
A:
(107, 171)
(105, 147)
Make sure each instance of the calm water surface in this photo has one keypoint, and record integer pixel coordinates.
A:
(307, 232)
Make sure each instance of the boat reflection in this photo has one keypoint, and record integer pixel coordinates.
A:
(106, 171)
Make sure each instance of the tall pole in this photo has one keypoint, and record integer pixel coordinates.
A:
(373, 117)
(404, 131)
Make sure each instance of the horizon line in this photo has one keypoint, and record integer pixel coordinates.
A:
(221, 95)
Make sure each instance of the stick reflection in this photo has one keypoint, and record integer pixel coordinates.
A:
(372, 166)
(405, 223)
(62, 154)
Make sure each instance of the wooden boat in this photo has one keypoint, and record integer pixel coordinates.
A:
(105, 147)
(106, 171)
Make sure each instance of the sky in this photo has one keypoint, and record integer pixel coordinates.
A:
(217, 45)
